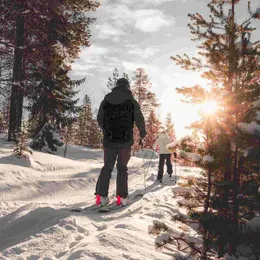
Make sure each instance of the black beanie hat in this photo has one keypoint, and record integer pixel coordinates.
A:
(123, 82)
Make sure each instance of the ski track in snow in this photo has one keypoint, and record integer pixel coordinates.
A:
(36, 196)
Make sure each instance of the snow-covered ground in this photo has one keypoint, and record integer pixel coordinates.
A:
(36, 196)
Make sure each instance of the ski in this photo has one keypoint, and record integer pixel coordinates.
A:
(113, 206)
(109, 207)
(89, 208)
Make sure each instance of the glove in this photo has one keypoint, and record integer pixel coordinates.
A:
(175, 157)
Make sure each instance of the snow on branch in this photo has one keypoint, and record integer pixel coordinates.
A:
(207, 159)
(258, 115)
(182, 241)
(257, 103)
(255, 80)
(190, 156)
(25, 12)
(249, 128)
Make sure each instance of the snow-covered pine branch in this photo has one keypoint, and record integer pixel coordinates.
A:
(251, 128)
(190, 156)
(207, 159)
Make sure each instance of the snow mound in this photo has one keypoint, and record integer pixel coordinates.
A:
(37, 194)
(38, 161)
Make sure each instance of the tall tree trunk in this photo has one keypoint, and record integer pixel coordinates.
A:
(237, 171)
(66, 135)
(16, 100)
(206, 205)
(39, 127)
(228, 155)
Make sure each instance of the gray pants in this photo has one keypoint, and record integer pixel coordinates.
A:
(111, 155)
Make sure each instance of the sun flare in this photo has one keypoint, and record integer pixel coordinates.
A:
(209, 107)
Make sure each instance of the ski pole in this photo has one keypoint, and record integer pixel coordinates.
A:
(175, 156)
(146, 172)
(142, 148)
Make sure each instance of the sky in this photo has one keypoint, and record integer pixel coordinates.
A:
(129, 34)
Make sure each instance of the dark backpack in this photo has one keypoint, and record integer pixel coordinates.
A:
(118, 122)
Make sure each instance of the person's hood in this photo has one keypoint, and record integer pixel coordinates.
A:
(119, 95)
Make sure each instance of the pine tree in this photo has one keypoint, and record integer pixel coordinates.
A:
(112, 81)
(21, 150)
(17, 92)
(152, 129)
(53, 99)
(230, 63)
(1, 123)
(125, 75)
(85, 130)
(140, 88)
(95, 139)
(4, 115)
(170, 127)
(5, 75)
(7, 40)
(85, 123)
(69, 132)
(97, 134)
(146, 99)
(48, 136)
(30, 29)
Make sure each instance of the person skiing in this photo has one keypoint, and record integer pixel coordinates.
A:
(165, 154)
(116, 116)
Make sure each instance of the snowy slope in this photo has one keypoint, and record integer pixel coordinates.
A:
(36, 196)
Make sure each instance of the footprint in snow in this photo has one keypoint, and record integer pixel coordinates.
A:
(33, 257)
(100, 227)
(73, 226)
(78, 238)
(73, 244)
(121, 226)
(61, 254)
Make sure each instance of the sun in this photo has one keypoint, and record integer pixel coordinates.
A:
(209, 107)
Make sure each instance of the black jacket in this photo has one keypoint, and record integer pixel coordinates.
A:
(118, 96)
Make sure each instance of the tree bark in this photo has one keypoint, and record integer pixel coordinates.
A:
(206, 206)
(16, 100)
(237, 173)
